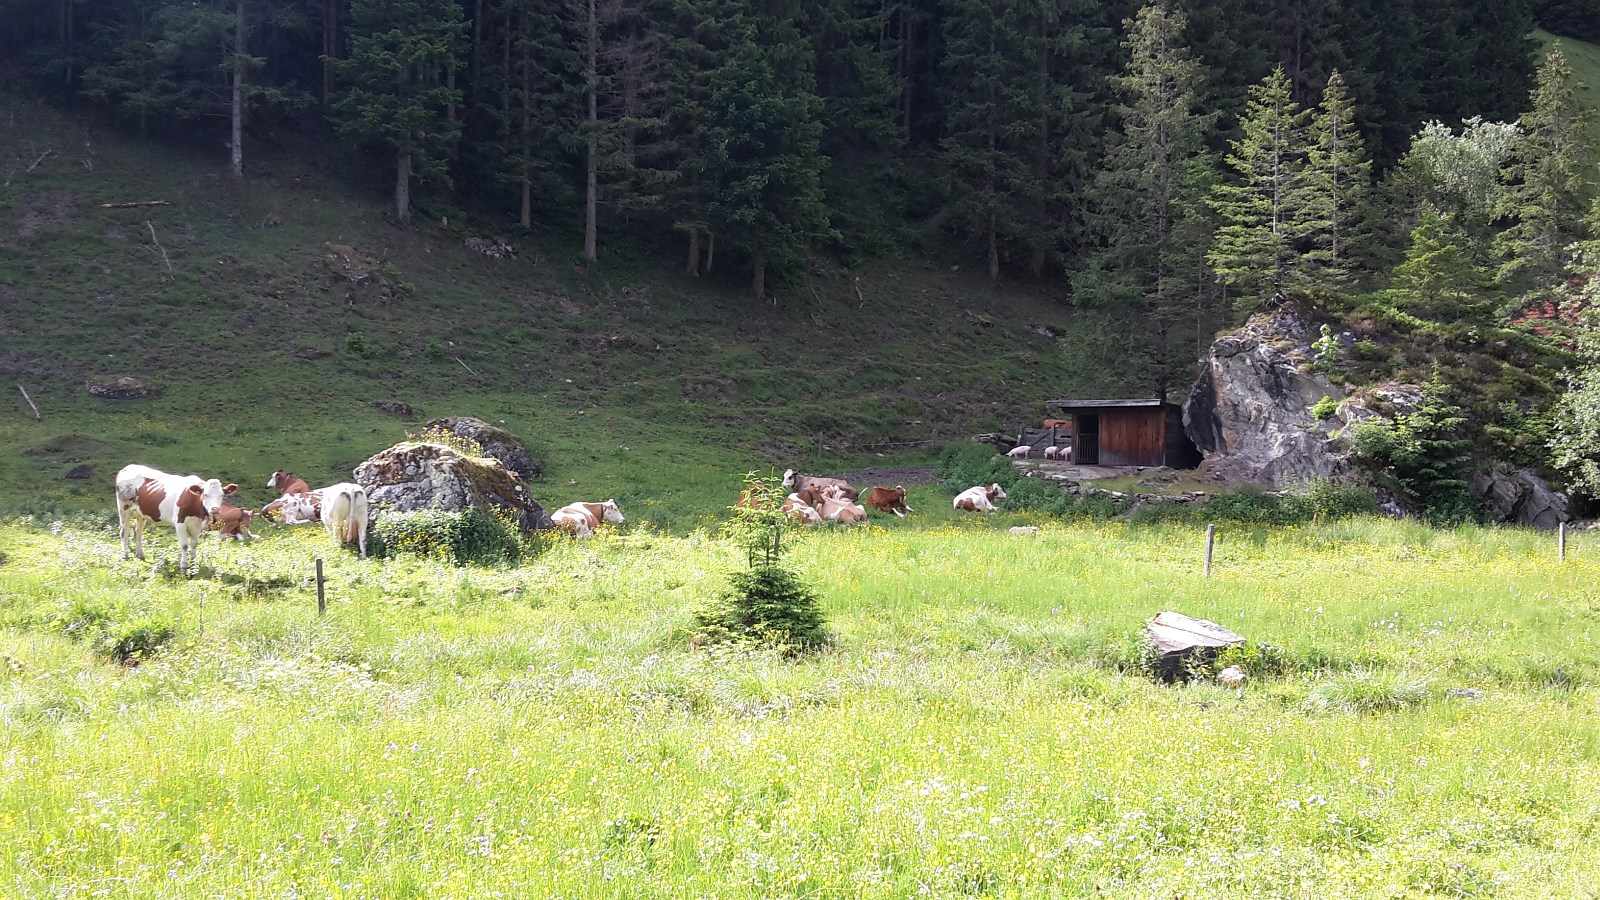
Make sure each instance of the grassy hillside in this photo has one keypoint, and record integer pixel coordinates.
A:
(266, 357)
(1425, 729)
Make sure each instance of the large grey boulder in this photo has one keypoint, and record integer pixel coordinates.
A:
(423, 475)
(497, 443)
(1250, 409)
(1521, 497)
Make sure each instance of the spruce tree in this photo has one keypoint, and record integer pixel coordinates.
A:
(1262, 209)
(401, 53)
(1441, 277)
(1545, 193)
(1149, 214)
(1338, 175)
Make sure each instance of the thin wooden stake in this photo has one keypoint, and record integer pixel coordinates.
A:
(1561, 541)
(464, 365)
(35, 409)
(1211, 540)
(322, 602)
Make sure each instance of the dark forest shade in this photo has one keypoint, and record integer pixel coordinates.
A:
(1128, 433)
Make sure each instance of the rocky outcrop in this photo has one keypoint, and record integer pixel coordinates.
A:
(497, 443)
(1250, 412)
(124, 388)
(422, 475)
(1521, 497)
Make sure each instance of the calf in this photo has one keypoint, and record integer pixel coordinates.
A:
(233, 523)
(295, 509)
(980, 498)
(286, 483)
(186, 502)
(794, 481)
(890, 500)
(345, 513)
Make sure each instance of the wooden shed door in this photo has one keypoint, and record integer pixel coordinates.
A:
(1086, 439)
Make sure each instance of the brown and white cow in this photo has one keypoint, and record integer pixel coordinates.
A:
(345, 514)
(304, 508)
(186, 502)
(890, 500)
(796, 482)
(839, 509)
(980, 498)
(286, 483)
(583, 519)
(799, 510)
(233, 523)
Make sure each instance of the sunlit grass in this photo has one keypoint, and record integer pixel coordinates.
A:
(546, 729)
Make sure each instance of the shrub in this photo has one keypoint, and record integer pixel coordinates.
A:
(435, 350)
(470, 536)
(1324, 409)
(129, 642)
(768, 605)
(1367, 691)
(1422, 457)
(963, 465)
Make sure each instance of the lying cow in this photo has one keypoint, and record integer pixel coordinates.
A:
(796, 482)
(233, 523)
(799, 510)
(583, 519)
(286, 483)
(345, 514)
(186, 502)
(304, 508)
(841, 510)
(890, 500)
(980, 498)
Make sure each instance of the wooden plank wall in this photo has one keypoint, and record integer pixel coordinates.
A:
(1132, 437)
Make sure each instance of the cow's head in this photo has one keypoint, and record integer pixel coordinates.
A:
(995, 492)
(788, 478)
(612, 512)
(279, 479)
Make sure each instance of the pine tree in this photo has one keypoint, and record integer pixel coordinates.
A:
(1149, 214)
(1544, 191)
(401, 52)
(1441, 277)
(1338, 175)
(1263, 208)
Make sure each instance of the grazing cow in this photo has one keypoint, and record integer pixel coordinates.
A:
(980, 498)
(890, 500)
(841, 510)
(233, 523)
(186, 502)
(286, 483)
(1020, 451)
(801, 511)
(295, 509)
(796, 482)
(583, 519)
(1052, 452)
(345, 514)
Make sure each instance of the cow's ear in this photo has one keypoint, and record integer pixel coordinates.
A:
(230, 489)
(193, 489)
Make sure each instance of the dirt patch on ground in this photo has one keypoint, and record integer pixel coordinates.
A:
(44, 210)
(891, 475)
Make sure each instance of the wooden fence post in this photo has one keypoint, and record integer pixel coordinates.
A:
(322, 601)
(1211, 540)
(1561, 542)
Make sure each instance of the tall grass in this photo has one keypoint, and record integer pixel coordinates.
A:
(546, 729)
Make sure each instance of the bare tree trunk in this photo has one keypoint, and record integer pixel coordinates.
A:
(692, 267)
(66, 38)
(758, 275)
(994, 249)
(236, 151)
(711, 250)
(477, 45)
(908, 73)
(450, 82)
(330, 45)
(525, 136)
(527, 198)
(591, 204)
(402, 188)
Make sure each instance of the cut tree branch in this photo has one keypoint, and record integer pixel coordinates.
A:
(35, 409)
(40, 160)
(158, 246)
(134, 204)
(464, 365)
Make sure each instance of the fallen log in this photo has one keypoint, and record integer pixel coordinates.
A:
(134, 204)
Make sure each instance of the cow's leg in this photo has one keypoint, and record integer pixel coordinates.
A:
(898, 513)
(123, 525)
(138, 535)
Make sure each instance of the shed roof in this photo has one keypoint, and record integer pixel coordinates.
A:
(1096, 404)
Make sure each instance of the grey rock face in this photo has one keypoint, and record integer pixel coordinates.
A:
(1522, 497)
(497, 443)
(411, 476)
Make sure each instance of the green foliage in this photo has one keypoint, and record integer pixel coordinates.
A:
(471, 536)
(1458, 174)
(1442, 277)
(766, 605)
(1338, 177)
(1422, 457)
(963, 465)
(1258, 660)
(1575, 437)
(1324, 409)
(1368, 691)
(129, 642)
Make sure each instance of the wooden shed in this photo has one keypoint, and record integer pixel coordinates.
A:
(1127, 433)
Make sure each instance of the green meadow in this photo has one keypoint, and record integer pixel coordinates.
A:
(979, 725)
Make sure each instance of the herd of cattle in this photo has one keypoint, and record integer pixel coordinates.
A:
(193, 505)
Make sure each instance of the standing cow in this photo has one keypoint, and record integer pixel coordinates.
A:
(345, 513)
(186, 502)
